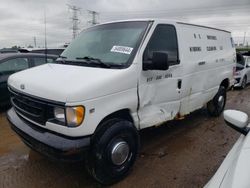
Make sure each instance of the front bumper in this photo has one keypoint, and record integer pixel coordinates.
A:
(50, 144)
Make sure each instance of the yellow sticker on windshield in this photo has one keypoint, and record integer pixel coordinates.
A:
(122, 49)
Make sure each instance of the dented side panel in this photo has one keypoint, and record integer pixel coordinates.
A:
(159, 96)
(158, 93)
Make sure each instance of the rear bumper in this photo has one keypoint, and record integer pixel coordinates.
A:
(52, 145)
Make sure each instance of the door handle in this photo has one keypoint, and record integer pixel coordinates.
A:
(202, 63)
(179, 84)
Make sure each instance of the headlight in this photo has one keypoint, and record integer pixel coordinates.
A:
(70, 116)
(59, 114)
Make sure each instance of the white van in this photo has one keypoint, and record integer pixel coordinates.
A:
(115, 79)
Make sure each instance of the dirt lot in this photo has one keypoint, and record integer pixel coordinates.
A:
(183, 153)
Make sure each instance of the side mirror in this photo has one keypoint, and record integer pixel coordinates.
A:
(159, 62)
(237, 120)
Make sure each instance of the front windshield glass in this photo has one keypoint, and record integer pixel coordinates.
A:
(112, 44)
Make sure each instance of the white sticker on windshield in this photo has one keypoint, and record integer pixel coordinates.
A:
(122, 49)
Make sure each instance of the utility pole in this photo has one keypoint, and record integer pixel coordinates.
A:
(75, 20)
(35, 42)
(244, 39)
(94, 15)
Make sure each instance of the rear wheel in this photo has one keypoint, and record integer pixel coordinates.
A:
(244, 82)
(216, 106)
(113, 152)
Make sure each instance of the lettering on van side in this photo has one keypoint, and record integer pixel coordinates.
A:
(220, 60)
(168, 75)
(211, 48)
(150, 79)
(210, 37)
(159, 77)
(195, 49)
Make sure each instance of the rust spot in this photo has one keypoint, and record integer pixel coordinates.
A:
(179, 117)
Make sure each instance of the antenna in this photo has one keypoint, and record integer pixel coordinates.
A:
(75, 20)
(244, 39)
(45, 35)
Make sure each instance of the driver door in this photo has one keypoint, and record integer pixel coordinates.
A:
(159, 90)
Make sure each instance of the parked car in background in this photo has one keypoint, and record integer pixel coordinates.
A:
(242, 74)
(235, 169)
(246, 53)
(8, 50)
(14, 62)
(55, 51)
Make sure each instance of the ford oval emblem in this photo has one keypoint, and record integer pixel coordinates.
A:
(22, 86)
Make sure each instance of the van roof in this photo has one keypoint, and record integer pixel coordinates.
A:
(166, 21)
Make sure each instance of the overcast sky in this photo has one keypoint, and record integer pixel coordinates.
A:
(22, 20)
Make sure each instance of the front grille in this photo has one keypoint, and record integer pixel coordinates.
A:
(34, 109)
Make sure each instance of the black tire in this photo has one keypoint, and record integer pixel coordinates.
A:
(244, 83)
(99, 161)
(216, 106)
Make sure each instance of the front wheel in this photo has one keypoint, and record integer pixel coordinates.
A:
(113, 152)
(216, 106)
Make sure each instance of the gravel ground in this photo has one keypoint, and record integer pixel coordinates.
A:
(182, 153)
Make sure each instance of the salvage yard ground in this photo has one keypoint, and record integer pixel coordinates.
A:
(183, 153)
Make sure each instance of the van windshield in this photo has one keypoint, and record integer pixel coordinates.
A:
(107, 46)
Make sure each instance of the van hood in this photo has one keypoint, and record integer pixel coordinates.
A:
(70, 83)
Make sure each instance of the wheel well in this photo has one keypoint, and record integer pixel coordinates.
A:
(225, 83)
(124, 114)
(121, 114)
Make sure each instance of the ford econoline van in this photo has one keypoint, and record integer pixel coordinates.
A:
(114, 80)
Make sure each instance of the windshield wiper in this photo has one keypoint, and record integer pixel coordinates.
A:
(61, 59)
(93, 60)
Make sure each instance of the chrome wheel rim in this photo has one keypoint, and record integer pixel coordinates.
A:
(120, 153)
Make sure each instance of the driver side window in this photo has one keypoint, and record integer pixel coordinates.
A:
(164, 39)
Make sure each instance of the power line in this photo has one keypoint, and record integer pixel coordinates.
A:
(75, 20)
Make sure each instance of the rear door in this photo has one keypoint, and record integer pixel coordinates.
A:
(159, 91)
